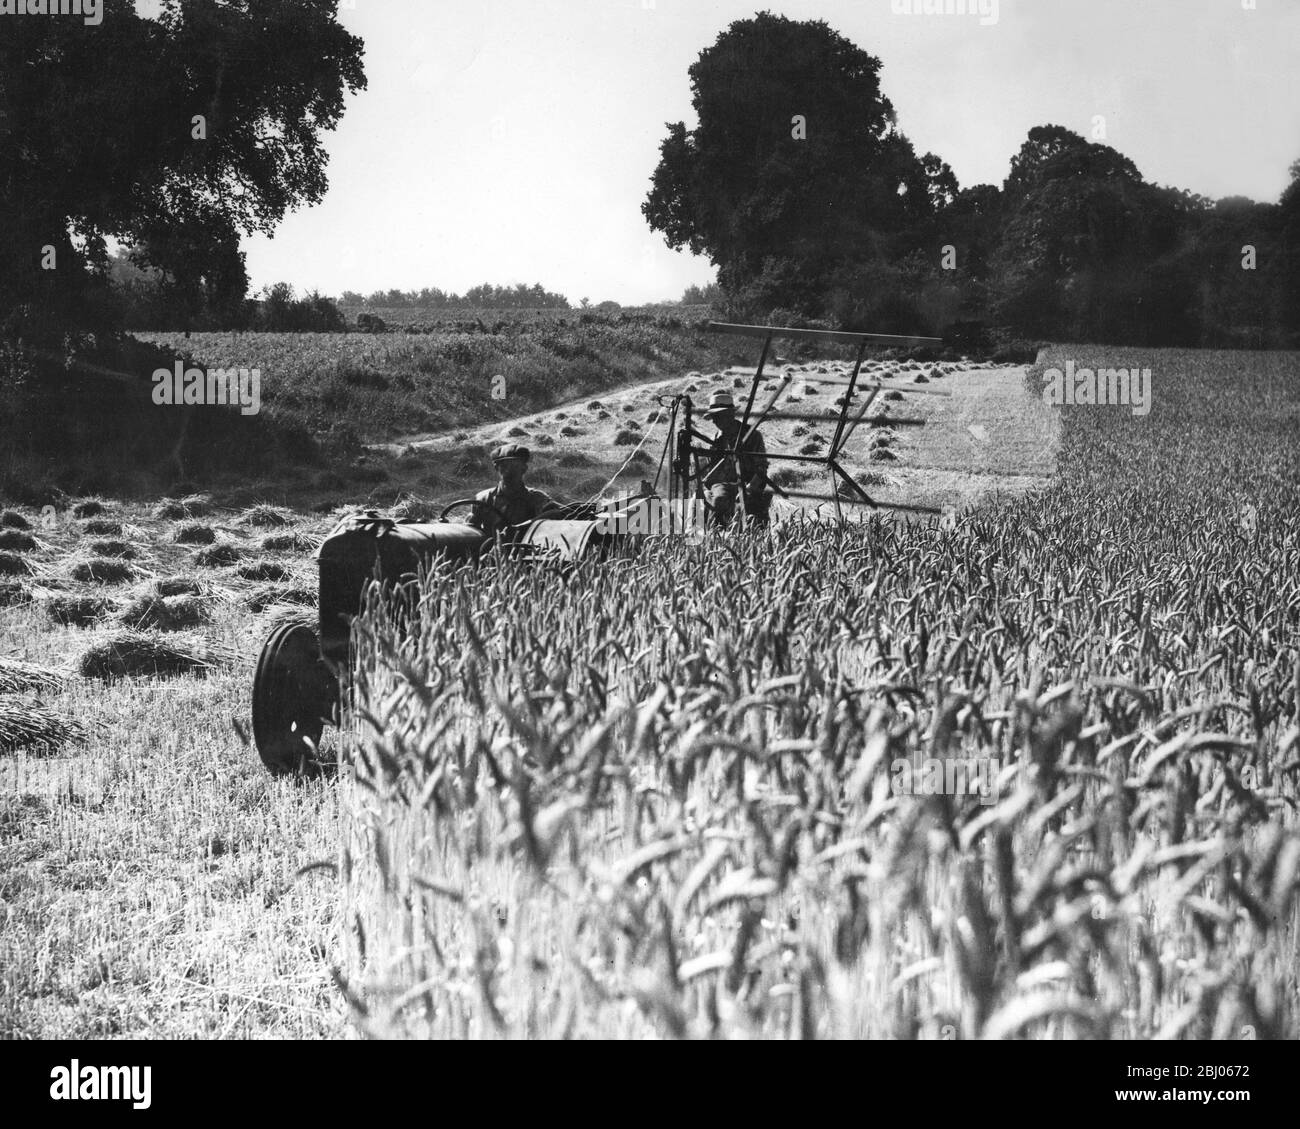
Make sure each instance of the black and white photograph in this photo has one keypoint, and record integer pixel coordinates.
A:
(650, 520)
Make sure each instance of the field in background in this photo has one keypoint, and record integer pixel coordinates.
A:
(93, 427)
(489, 319)
(325, 397)
(660, 801)
(359, 387)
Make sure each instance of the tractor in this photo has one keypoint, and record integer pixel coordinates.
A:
(296, 684)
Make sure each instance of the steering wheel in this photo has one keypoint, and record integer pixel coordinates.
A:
(505, 521)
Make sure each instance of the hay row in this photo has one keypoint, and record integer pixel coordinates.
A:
(33, 727)
(17, 677)
(129, 654)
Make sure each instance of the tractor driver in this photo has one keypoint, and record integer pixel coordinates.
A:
(510, 496)
(720, 479)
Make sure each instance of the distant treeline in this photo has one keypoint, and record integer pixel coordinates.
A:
(518, 297)
(485, 297)
(148, 300)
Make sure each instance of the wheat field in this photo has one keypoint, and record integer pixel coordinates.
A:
(659, 795)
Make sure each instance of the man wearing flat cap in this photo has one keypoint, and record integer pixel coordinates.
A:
(720, 481)
(510, 497)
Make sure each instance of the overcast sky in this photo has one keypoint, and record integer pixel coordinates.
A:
(512, 141)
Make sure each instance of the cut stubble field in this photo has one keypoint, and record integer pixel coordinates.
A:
(655, 798)
(986, 436)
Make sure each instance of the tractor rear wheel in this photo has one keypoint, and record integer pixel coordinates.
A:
(294, 697)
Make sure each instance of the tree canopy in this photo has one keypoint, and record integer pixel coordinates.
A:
(173, 135)
(795, 164)
(799, 187)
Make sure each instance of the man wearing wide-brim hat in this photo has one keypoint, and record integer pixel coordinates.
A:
(721, 483)
(510, 498)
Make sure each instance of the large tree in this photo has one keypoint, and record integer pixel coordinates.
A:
(795, 166)
(174, 135)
